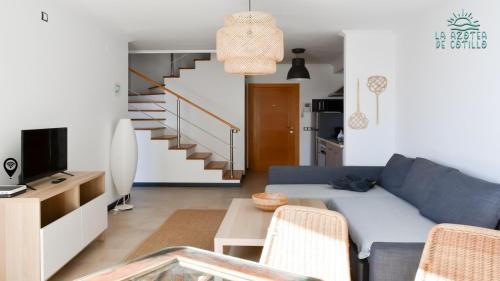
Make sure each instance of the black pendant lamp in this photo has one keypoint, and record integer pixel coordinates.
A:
(298, 70)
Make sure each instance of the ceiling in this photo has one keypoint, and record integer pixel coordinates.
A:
(192, 24)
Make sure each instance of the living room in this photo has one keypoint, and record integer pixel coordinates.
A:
(165, 137)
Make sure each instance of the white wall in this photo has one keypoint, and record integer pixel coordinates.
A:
(323, 81)
(448, 100)
(60, 74)
(156, 66)
(369, 53)
(223, 94)
(158, 164)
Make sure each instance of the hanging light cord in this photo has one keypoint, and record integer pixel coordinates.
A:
(250, 16)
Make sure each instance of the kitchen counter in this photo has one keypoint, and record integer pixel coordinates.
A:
(332, 141)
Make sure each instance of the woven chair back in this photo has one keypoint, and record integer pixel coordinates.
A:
(308, 241)
(459, 253)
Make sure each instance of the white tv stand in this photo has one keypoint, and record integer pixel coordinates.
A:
(41, 230)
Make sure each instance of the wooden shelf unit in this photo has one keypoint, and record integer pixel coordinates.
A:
(56, 207)
(42, 230)
(91, 190)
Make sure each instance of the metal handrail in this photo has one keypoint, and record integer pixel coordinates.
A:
(169, 91)
(232, 128)
(135, 94)
(187, 137)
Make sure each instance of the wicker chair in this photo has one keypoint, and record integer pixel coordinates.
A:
(308, 241)
(459, 253)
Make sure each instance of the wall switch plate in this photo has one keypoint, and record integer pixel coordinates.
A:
(45, 16)
(306, 107)
(117, 89)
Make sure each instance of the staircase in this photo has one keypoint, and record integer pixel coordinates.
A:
(163, 159)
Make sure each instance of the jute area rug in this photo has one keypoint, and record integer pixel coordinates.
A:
(185, 227)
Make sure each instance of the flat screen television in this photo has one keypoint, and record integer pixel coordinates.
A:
(44, 152)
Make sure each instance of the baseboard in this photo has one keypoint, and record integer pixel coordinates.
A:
(185, 184)
(112, 205)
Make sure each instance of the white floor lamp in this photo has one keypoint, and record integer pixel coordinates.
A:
(123, 160)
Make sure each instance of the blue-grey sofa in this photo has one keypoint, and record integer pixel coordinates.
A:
(389, 224)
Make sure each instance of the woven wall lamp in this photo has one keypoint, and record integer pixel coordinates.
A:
(250, 43)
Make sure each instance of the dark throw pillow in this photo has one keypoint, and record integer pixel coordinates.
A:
(394, 173)
(462, 199)
(353, 183)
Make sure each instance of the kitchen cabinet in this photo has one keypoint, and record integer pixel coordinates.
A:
(329, 153)
(334, 155)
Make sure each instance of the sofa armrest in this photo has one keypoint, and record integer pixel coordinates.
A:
(394, 261)
(317, 175)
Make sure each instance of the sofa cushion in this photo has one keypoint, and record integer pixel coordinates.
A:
(383, 219)
(323, 192)
(318, 175)
(394, 261)
(462, 199)
(422, 181)
(394, 173)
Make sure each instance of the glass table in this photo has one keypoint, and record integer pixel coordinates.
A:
(192, 264)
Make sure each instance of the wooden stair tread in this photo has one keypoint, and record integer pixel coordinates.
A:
(145, 94)
(148, 119)
(216, 165)
(149, 128)
(148, 101)
(237, 175)
(171, 76)
(183, 146)
(186, 68)
(146, 110)
(164, 137)
(199, 156)
(201, 59)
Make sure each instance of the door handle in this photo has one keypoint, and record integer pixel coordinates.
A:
(292, 130)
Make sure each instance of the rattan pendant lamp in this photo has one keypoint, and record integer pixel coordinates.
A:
(250, 43)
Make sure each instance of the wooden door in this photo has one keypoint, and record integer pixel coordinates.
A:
(273, 125)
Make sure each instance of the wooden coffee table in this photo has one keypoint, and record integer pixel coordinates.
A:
(245, 225)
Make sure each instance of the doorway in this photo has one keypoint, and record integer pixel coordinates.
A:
(273, 125)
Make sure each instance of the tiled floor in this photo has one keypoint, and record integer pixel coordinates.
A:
(151, 207)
